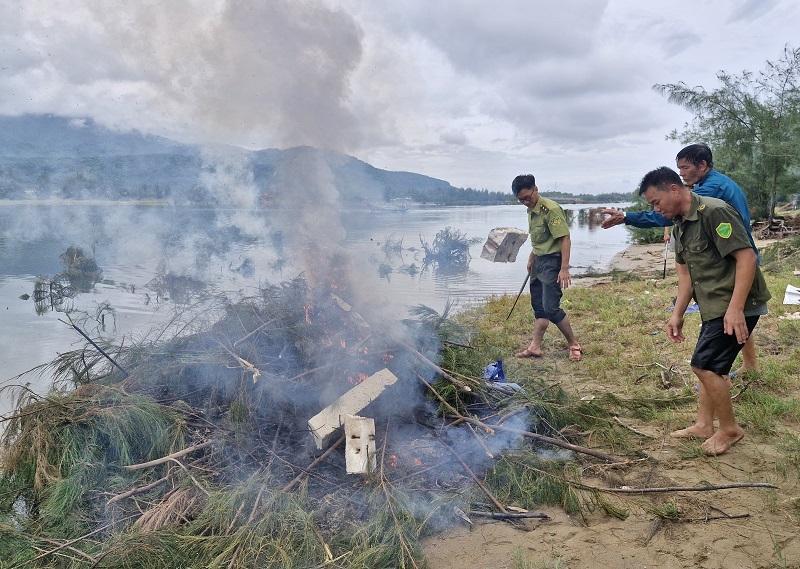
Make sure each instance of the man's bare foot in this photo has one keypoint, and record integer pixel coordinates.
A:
(693, 432)
(575, 353)
(529, 353)
(721, 442)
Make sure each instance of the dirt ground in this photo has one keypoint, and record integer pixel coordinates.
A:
(766, 538)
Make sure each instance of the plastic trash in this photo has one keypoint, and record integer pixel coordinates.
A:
(494, 372)
(792, 295)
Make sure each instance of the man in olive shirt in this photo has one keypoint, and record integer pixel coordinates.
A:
(548, 265)
(716, 265)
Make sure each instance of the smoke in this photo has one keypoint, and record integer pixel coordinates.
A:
(274, 71)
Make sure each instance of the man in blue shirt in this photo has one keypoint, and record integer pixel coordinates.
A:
(696, 166)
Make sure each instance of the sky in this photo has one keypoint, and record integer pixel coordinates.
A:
(469, 91)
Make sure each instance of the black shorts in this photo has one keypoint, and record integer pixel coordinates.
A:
(544, 287)
(716, 351)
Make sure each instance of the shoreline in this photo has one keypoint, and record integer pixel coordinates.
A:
(644, 260)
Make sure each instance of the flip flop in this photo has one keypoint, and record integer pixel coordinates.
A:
(526, 353)
(575, 354)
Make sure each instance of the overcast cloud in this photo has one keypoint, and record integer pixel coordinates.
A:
(469, 91)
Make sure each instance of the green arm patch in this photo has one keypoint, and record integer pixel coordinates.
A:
(724, 230)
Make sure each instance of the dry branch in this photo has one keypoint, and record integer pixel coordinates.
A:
(686, 488)
(477, 480)
(167, 458)
(316, 461)
(509, 516)
(457, 382)
(139, 490)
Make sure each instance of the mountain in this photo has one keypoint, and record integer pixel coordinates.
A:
(45, 156)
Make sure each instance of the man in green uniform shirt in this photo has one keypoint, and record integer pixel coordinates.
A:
(548, 265)
(716, 264)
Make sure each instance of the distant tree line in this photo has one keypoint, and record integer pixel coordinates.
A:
(611, 197)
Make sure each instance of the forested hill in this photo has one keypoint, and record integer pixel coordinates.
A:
(47, 156)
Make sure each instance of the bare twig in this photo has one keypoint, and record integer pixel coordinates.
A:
(316, 461)
(685, 488)
(457, 382)
(477, 480)
(631, 429)
(509, 516)
(480, 441)
(139, 490)
(169, 457)
(92, 342)
(709, 518)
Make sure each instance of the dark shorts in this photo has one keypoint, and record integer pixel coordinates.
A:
(716, 351)
(545, 290)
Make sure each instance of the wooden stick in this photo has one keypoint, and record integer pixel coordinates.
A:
(92, 342)
(631, 429)
(480, 442)
(709, 518)
(316, 461)
(686, 488)
(509, 516)
(477, 480)
(457, 382)
(167, 458)
(139, 490)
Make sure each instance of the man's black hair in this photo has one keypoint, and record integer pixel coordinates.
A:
(660, 177)
(696, 153)
(523, 182)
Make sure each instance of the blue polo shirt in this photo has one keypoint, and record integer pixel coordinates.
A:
(712, 185)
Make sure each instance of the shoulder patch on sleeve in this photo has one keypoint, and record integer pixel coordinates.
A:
(555, 221)
(724, 230)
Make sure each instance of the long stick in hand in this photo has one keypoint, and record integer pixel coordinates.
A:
(520, 292)
(666, 253)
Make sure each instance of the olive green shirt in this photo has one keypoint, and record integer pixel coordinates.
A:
(547, 224)
(704, 241)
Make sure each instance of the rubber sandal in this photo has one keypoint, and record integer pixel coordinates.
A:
(575, 354)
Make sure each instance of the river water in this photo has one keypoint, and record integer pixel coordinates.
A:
(133, 244)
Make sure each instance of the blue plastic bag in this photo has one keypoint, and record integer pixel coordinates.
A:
(494, 372)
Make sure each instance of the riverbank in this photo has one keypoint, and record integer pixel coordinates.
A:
(644, 260)
(628, 360)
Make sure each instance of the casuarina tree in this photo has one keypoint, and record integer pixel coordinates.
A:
(752, 122)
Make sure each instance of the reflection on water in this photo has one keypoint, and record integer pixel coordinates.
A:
(153, 257)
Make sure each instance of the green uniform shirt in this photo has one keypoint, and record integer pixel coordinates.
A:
(704, 241)
(547, 225)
